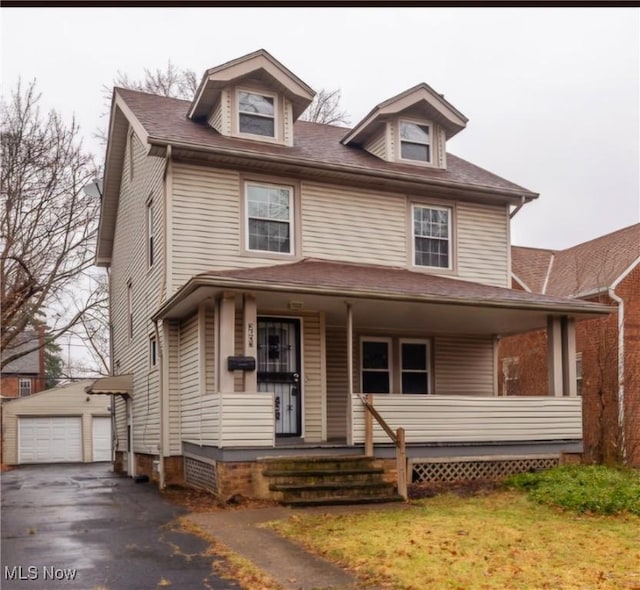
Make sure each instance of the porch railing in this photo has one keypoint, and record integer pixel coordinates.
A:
(398, 437)
(474, 419)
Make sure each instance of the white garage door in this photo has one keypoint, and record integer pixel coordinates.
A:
(52, 439)
(101, 438)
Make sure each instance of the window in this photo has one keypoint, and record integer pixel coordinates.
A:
(153, 352)
(376, 365)
(415, 142)
(269, 218)
(579, 373)
(510, 376)
(256, 114)
(24, 387)
(150, 233)
(414, 366)
(432, 236)
(130, 310)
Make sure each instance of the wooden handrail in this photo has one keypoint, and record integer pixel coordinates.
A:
(397, 437)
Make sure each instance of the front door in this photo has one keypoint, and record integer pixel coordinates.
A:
(279, 371)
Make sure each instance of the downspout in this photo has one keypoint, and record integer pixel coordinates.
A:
(161, 471)
(621, 412)
(161, 404)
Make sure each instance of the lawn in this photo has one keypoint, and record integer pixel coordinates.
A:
(500, 540)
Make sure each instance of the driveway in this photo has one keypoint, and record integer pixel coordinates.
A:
(81, 526)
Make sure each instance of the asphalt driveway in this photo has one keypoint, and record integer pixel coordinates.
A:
(81, 526)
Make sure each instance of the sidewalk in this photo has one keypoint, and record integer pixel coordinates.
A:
(286, 562)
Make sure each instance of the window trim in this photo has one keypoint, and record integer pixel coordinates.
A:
(276, 110)
(427, 343)
(390, 368)
(450, 238)
(293, 221)
(24, 381)
(421, 123)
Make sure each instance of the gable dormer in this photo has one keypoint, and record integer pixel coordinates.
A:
(410, 128)
(252, 97)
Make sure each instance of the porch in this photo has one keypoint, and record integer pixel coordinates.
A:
(277, 362)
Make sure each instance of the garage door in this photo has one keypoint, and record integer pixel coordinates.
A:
(52, 439)
(101, 438)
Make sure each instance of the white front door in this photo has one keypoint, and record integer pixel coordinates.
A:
(101, 438)
(49, 439)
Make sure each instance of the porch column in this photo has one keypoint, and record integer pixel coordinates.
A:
(226, 340)
(554, 355)
(250, 341)
(568, 329)
(349, 373)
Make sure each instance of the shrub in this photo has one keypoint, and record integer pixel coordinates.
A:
(580, 488)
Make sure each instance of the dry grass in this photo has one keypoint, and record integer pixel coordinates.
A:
(495, 541)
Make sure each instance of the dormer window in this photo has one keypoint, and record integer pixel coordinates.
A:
(415, 142)
(256, 114)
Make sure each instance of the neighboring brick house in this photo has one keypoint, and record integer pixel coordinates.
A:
(604, 270)
(25, 375)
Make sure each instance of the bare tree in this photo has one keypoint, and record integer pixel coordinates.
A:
(173, 81)
(325, 108)
(47, 222)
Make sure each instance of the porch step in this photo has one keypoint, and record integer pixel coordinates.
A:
(315, 481)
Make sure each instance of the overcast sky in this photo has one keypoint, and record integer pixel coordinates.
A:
(552, 94)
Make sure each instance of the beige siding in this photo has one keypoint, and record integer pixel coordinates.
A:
(70, 400)
(215, 119)
(314, 392)
(172, 358)
(351, 225)
(463, 365)
(190, 398)
(287, 122)
(378, 144)
(248, 420)
(129, 263)
(483, 244)
(427, 418)
(121, 441)
(337, 382)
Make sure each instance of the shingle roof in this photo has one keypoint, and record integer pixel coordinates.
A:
(582, 269)
(28, 364)
(382, 280)
(165, 120)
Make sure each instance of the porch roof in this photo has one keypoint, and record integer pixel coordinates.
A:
(351, 282)
(112, 385)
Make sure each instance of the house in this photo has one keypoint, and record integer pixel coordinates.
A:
(266, 273)
(605, 270)
(58, 425)
(26, 374)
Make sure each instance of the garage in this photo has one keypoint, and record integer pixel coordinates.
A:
(59, 425)
(50, 439)
(101, 438)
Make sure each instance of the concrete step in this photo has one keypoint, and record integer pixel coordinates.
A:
(346, 501)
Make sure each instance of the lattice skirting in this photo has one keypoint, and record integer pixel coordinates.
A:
(200, 474)
(457, 469)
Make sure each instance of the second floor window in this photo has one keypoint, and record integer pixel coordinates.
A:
(269, 218)
(256, 114)
(432, 236)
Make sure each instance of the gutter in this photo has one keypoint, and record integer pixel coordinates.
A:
(621, 392)
(312, 164)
